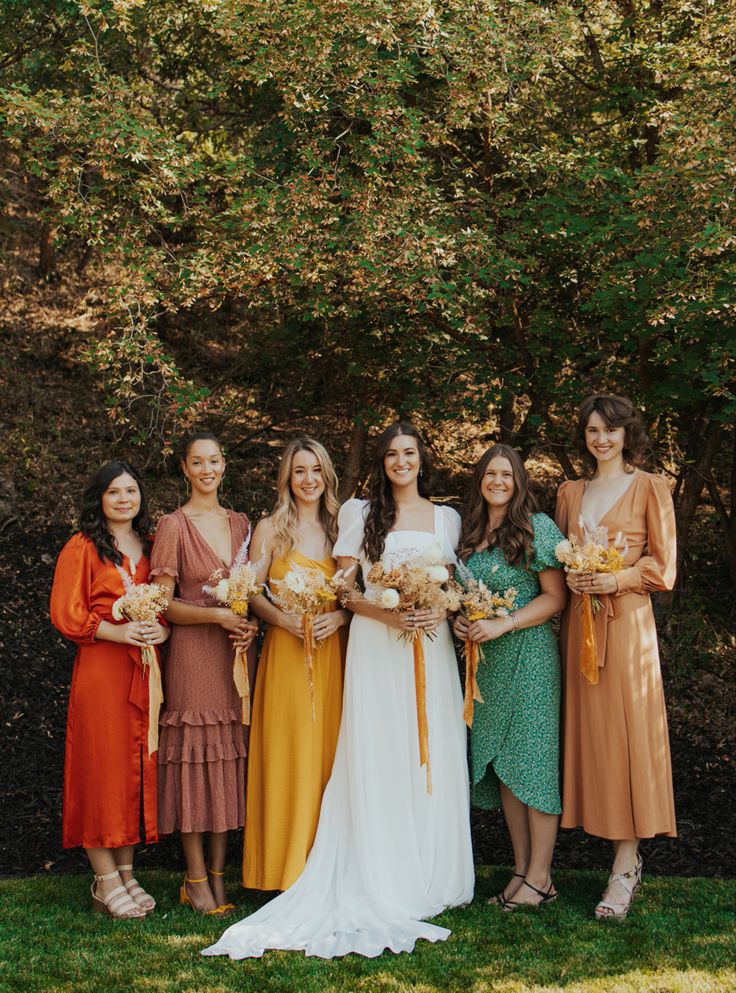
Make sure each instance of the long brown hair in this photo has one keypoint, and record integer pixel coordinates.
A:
(284, 514)
(382, 510)
(616, 412)
(515, 537)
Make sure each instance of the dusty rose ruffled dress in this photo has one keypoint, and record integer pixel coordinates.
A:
(202, 744)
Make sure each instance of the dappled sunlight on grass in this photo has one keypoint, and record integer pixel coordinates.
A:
(678, 939)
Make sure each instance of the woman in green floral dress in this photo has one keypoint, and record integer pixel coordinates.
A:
(515, 734)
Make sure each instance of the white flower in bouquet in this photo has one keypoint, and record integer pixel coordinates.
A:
(390, 599)
(438, 573)
(294, 581)
(563, 550)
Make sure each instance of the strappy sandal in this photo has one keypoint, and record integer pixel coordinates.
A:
(186, 900)
(631, 882)
(547, 896)
(144, 900)
(226, 908)
(118, 903)
(499, 899)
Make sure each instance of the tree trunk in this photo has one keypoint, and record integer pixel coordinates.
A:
(46, 254)
(353, 461)
(692, 489)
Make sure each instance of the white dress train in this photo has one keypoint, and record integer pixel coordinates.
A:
(387, 854)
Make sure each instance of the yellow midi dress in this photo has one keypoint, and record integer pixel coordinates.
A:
(291, 754)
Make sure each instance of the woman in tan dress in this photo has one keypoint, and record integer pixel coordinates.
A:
(202, 746)
(617, 775)
(291, 747)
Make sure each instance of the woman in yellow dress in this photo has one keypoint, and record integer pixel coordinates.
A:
(291, 751)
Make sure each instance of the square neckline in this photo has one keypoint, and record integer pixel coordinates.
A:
(435, 510)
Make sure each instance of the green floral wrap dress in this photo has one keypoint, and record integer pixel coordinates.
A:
(516, 730)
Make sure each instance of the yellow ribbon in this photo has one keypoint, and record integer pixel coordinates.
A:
(588, 651)
(309, 646)
(242, 684)
(149, 660)
(420, 683)
(472, 690)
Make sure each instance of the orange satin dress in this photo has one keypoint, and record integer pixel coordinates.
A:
(617, 773)
(109, 780)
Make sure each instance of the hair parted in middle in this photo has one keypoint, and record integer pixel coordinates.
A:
(284, 517)
(381, 515)
(515, 536)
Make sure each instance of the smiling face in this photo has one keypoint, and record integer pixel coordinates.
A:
(306, 479)
(204, 466)
(402, 461)
(605, 443)
(121, 501)
(497, 485)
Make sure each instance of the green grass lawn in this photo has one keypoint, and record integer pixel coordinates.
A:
(680, 938)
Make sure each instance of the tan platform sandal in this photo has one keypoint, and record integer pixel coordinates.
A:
(144, 900)
(186, 900)
(226, 908)
(631, 882)
(118, 903)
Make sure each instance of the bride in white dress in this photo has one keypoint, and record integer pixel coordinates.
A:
(387, 854)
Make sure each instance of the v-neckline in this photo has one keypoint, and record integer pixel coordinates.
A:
(612, 507)
(210, 549)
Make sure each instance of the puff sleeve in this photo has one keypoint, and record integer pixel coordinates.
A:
(71, 612)
(657, 568)
(166, 552)
(546, 538)
(351, 525)
(452, 526)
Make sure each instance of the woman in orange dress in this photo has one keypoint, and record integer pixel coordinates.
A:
(617, 775)
(203, 744)
(109, 778)
(291, 751)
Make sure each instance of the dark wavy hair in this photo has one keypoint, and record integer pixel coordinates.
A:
(188, 440)
(515, 537)
(616, 412)
(382, 510)
(92, 522)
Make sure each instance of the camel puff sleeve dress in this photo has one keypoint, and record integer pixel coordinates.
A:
(109, 779)
(617, 774)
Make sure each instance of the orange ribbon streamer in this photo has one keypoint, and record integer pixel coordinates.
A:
(149, 661)
(588, 651)
(472, 690)
(242, 683)
(309, 645)
(420, 683)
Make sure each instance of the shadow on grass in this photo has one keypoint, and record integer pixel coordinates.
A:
(679, 938)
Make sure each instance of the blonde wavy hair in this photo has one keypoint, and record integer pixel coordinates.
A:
(284, 514)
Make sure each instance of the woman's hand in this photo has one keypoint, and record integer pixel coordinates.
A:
(329, 622)
(595, 583)
(236, 625)
(489, 629)
(416, 620)
(157, 633)
(246, 636)
(460, 627)
(293, 624)
(138, 633)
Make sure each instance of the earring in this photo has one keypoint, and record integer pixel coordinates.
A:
(421, 470)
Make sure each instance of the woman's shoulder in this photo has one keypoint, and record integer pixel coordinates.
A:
(352, 510)
(568, 486)
(168, 521)
(449, 513)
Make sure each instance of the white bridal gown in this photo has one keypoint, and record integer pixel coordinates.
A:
(387, 854)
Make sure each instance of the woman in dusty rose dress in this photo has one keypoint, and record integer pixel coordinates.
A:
(202, 746)
(617, 776)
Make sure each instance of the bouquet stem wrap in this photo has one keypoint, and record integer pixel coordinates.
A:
(472, 690)
(308, 623)
(149, 660)
(242, 684)
(588, 650)
(420, 682)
